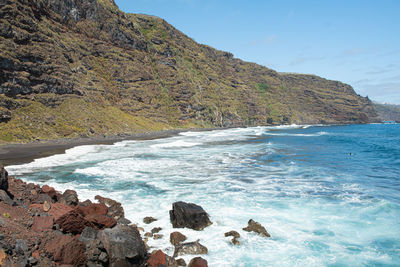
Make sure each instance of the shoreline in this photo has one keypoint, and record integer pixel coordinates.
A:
(20, 153)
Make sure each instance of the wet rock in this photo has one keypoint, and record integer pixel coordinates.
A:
(46, 206)
(69, 197)
(193, 248)
(157, 236)
(148, 220)
(175, 238)
(123, 221)
(42, 223)
(99, 209)
(257, 228)
(148, 234)
(157, 259)
(198, 262)
(156, 230)
(100, 221)
(188, 215)
(235, 236)
(3, 178)
(72, 222)
(181, 262)
(124, 246)
(4, 197)
(115, 209)
(88, 234)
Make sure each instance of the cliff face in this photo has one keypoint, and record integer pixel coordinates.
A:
(388, 112)
(73, 68)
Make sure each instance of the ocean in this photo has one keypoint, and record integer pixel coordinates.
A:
(328, 195)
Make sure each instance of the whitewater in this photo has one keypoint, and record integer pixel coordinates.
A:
(328, 195)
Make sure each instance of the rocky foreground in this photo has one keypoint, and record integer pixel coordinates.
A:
(40, 226)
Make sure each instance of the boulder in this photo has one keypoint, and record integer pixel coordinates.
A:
(198, 262)
(72, 222)
(148, 220)
(96, 254)
(69, 197)
(42, 223)
(156, 230)
(3, 178)
(48, 190)
(193, 248)
(67, 250)
(157, 236)
(124, 246)
(157, 259)
(175, 238)
(235, 238)
(4, 197)
(100, 221)
(188, 215)
(115, 209)
(181, 262)
(99, 209)
(123, 221)
(88, 234)
(40, 198)
(256, 227)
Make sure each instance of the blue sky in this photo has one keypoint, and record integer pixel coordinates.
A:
(357, 42)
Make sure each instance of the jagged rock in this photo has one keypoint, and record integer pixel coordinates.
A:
(42, 223)
(3, 178)
(257, 228)
(235, 238)
(156, 230)
(41, 198)
(96, 254)
(88, 234)
(157, 259)
(72, 222)
(100, 221)
(198, 262)
(148, 220)
(115, 209)
(69, 197)
(57, 209)
(99, 209)
(176, 237)
(4, 197)
(124, 246)
(51, 192)
(188, 215)
(123, 221)
(21, 247)
(67, 250)
(181, 262)
(193, 248)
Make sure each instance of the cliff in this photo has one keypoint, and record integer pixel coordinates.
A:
(73, 68)
(388, 112)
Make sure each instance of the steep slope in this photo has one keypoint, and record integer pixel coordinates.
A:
(388, 112)
(73, 68)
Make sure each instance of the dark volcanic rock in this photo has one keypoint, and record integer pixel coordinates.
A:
(175, 238)
(181, 262)
(198, 262)
(188, 215)
(96, 253)
(193, 248)
(88, 234)
(235, 238)
(148, 220)
(257, 228)
(41, 198)
(3, 178)
(72, 222)
(4, 197)
(69, 197)
(124, 246)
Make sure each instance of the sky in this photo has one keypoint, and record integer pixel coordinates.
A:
(356, 42)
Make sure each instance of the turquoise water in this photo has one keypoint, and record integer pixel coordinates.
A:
(328, 195)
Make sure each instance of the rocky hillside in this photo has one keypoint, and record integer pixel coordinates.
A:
(388, 112)
(71, 68)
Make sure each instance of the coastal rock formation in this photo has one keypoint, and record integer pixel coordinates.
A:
(115, 210)
(235, 236)
(192, 248)
(157, 259)
(188, 215)
(176, 238)
(198, 262)
(124, 246)
(3, 178)
(84, 68)
(69, 197)
(257, 228)
(148, 220)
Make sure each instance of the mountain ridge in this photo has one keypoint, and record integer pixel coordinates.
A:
(74, 68)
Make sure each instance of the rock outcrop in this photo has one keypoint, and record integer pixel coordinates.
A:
(192, 248)
(257, 228)
(84, 68)
(188, 215)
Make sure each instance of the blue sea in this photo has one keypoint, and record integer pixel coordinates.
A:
(328, 195)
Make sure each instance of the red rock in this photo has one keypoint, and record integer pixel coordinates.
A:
(36, 254)
(100, 209)
(175, 238)
(51, 192)
(42, 223)
(72, 222)
(198, 262)
(67, 250)
(47, 189)
(57, 209)
(157, 259)
(100, 221)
